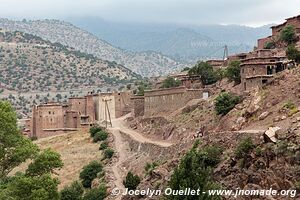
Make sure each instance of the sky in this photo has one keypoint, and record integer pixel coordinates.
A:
(194, 12)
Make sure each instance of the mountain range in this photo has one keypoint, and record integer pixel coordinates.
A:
(185, 43)
(146, 63)
(29, 63)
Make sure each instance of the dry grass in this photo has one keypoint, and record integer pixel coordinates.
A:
(76, 150)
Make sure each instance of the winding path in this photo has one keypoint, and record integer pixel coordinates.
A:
(122, 150)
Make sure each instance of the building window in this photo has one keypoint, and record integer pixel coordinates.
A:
(49, 112)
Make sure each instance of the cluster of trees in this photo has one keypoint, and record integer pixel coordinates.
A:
(36, 182)
(195, 172)
(210, 76)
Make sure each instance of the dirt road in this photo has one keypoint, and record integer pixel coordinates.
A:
(123, 150)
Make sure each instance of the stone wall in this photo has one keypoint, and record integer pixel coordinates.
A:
(72, 119)
(262, 42)
(163, 101)
(122, 103)
(138, 106)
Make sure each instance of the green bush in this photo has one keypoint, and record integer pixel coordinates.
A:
(131, 181)
(108, 153)
(170, 82)
(233, 72)
(225, 102)
(195, 172)
(244, 148)
(89, 173)
(293, 53)
(100, 136)
(103, 146)
(72, 192)
(150, 167)
(206, 72)
(210, 155)
(94, 130)
(288, 34)
(270, 45)
(96, 193)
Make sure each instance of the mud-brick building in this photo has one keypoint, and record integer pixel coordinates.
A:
(217, 64)
(162, 101)
(51, 119)
(257, 71)
(55, 118)
(185, 79)
(85, 106)
(113, 105)
(294, 21)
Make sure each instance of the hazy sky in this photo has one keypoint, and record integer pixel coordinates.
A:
(248, 12)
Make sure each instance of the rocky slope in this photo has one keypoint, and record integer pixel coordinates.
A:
(29, 63)
(144, 63)
(265, 163)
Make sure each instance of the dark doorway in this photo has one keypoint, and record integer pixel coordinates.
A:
(279, 67)
(269, 70)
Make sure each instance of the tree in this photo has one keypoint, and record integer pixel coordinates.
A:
(131, 181)
(288, 34)
(293, 53)
(170, 82)
(100, 136)
(194, 171)
(14, 148)
(24, 187)
(233, 72)
(108, 153)
(72, 192)
(206, 73)
(45, 162)
(96, 193)
(89, 173)
(94, 130)
(225, 102)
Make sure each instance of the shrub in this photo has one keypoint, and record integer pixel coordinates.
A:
(289, 105)
(150, 167)
(94, 130)
(89, 173)
(170, 82)
(244, 148)
(103, 146)
(270, 45)
(193, 173)
(96, 193)
(131, 181)
(288, 34)
(108, 153)
(206, 73)
(72, 192)
(225, 102)
(100, 136)
(210, 155)
(233, 72)
(293, 53)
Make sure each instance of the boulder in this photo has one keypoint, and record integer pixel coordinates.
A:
(263, 115)
(271, 134)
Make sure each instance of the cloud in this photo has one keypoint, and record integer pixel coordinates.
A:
(176, 11)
